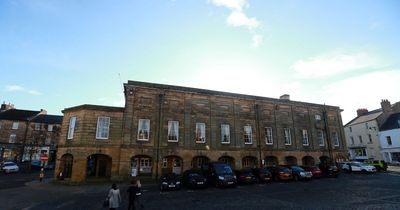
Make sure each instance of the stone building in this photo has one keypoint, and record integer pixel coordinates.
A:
(165, 128)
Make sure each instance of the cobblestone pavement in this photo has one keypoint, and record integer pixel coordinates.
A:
(349, 191)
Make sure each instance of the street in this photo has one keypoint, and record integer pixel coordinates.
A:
(349, 191)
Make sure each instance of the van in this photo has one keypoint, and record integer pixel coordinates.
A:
(380, 165)
(219, 174)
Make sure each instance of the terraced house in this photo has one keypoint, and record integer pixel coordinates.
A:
(165, 128)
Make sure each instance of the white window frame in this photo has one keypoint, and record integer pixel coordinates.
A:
(335, 138)
(200, 133)
(248, 134)
(225, 134)
(304, 137)
(269, 139)
(103, 127)
(173, 131)
(317, 117)
(13, 138)
(143, 133)
(15, 125)
(71, 127)
(321, 138)
(37, 126)
(288, 136)
(50, 128)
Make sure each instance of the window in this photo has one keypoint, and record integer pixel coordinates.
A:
(360, 152)
(317, 117)
(225, 134)
(268, 136)
(173, 132)
(37, 126)
(320, 136)
(288, 137)
(304, 137)
(1, 124)
(15, 125)
(370, 138)
(71, 127)
(360, 139)
(389, 140)
(366, 125)
(248, 135)
(143, 129)
(13, 138)
(351, 130)
(335, 138)
(352, 140)
(200, 132)
(50, 128)
(103, 127)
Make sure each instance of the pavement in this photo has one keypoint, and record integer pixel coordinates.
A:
(392, 168)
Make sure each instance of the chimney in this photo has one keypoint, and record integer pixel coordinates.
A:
(5, 106)
(285, 97)
(386, 106)
(43, 111)
(361, 112)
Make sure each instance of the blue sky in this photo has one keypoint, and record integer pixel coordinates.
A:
(64, 53)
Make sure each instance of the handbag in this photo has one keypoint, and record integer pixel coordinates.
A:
(106, 202)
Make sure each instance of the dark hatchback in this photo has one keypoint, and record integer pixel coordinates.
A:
(280, 173)
(262, 175)
(170, 181)
(219, 174)
(194, 179)
(245, 176)
(329, 170)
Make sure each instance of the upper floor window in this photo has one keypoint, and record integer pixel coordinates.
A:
(351, 130)
(360, 139)
(366, 125)
(352, 139)
(103, 127)
(268, 136)
(1, 124)
(143, 129)
(321, 139)
(288, 136)
(37, 126)
(317, 117)
(389, 140)
(15, 125)
(304, 137)
(173, 131)
(50, 128)
(248, 135)
(13, 138)
(370, 138)
(200, 132)
(225, 134)
(335, 138)
(71, 127)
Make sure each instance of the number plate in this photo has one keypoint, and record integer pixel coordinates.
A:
(171, 185)
(200, 182)
(230, 182)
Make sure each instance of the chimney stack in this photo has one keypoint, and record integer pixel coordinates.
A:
(386, 106)
(361, 112)
(285, 97)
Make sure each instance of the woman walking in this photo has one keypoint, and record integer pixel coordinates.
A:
(114, 197)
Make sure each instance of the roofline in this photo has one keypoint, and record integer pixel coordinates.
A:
(94, 107)
(368, 113)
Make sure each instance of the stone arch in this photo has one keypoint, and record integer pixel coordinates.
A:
(141, 165)
(66, 163)
(308, 161)
(271, 161)
(98, 166)
(249, 162)
(290, 160)
(228, 160)
(198, 161)
(172, 164)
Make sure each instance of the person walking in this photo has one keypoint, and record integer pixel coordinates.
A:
(114, 197)
(134, 193)
(41, 174)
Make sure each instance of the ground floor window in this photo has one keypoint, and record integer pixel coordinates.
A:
(141, 166)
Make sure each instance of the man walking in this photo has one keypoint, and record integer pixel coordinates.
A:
(134, 193)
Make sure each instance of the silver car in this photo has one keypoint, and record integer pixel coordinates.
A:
(9, 167)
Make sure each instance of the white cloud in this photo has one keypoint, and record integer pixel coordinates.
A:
(333, 63)
(231, 4)
(257, 40)
(19, 88)
(238, 18)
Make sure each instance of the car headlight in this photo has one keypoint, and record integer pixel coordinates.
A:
(302, 174)
(164, 183)
(221, 178)
(178, 182)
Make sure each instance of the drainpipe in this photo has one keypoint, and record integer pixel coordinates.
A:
(256, 109)
(159, 130)
(328, 140)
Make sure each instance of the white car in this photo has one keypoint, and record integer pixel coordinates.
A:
(9, 167)
(358, 167)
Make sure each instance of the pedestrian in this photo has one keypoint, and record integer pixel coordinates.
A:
(114, 197)
(134, 191)
(41, 174)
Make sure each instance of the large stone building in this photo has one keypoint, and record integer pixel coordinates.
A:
(165, 128)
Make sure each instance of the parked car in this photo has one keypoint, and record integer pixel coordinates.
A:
(316, 172)
(170, 181)
(262, 175)
(329, 170)
(380, 165)
(194, 179)
(280, 173)
(299, 173)
(358, 167)
(245, 176)
(9, 167)
(219, 174)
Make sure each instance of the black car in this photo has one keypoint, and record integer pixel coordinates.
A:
(245, 176)
(329, 170)
(170, 181)
(299, 173)
(262, 175)
(194, 179)
(219, 174)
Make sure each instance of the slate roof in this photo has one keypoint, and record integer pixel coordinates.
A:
(372, 115)
(18, 114)
(393, 122)
(48, 119)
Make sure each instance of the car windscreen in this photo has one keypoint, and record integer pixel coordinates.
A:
(9, 164)
(222, 169)
(297, 168)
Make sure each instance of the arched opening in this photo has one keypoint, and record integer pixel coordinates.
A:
(271, 161)
(98, 166)
(228, 160)
(141, 165)
(249, 162)
(198, 161)
(172, 164)
(308, 161)
(290, 160)
(66, 165)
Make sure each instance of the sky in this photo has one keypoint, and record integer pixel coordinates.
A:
(56, 54)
